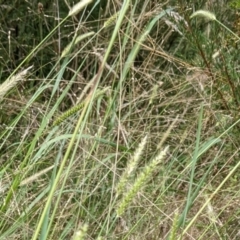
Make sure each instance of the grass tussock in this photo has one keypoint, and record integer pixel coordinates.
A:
(126, 125)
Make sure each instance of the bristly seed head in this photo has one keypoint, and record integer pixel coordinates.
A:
(204, 13)
(78, 7)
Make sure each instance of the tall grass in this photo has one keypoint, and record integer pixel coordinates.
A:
(146, 149)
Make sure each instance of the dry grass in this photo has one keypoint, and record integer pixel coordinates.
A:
(155, 77)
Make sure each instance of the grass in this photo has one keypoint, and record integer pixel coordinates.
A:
(132, 133)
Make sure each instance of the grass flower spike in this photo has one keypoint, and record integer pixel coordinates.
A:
(78, 7)
(203, 13)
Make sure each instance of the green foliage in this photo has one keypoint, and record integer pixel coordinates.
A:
(234, 4)
(124, 123)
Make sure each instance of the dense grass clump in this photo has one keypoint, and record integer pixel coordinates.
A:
(120, 120)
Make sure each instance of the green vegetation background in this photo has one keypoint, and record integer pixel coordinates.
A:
(132, 137)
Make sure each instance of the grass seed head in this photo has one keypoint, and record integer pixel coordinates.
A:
(78, 7)
(204, 13)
